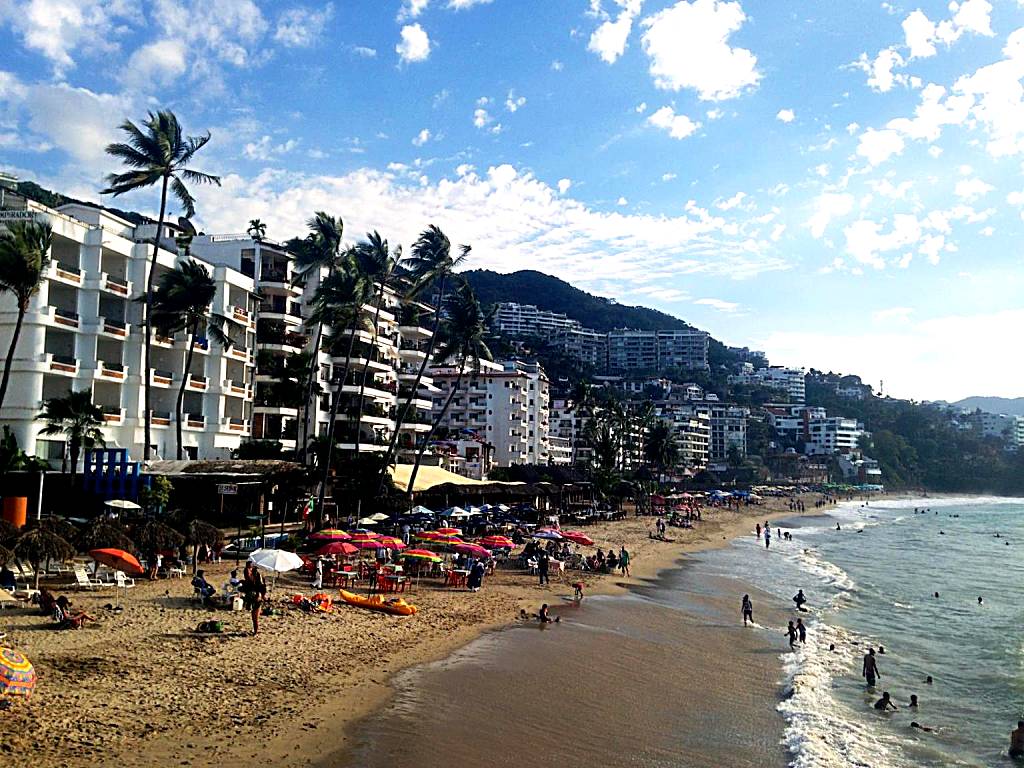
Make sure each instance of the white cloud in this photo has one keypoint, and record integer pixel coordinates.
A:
(919, 32)
(461, 5)
(933, 112)
(640, 108)
(828, 206)
(301, 27)
(736, 201)
(722, 306)
(557, 66)
(513, 102)
(785, 116)
(609, 40)
(688, 47)
(866, 242)
(563, 186)
(415, 44)
(421, 138)
(715, 114)
(879, 146)
(892, 313)
(159, 63)
(411, 9)
(513, 220)
(678, 126)
(622, 201)
(481, 118)
(970, 190)
(60, 29)
(264, 148)
(364, 51)
(668, 176)
(880, 73)
(227, 31)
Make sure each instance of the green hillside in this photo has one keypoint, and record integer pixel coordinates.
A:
(546, 292)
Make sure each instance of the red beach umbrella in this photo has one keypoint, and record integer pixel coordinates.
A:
(497, 542)
(474, 550)
(451, 531)
(118, 559)
(391, 542)
(330, 534)
(337, 548)
(358, 536)
(578, 538)
(421, 554)
(365, 544)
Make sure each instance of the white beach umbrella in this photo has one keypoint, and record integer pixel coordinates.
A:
(379, 517)
(369, 521)
(276, 560)
(419, 509)
(122, 504)
(454, 512)
(460, 515)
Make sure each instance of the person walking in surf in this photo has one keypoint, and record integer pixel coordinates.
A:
(870, 670)
(791, 632)
(747, 608)
(802, 630)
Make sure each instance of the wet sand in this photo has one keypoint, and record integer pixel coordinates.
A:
(665, 676)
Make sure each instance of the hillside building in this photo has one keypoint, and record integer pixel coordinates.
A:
(792, 381)
(636, 351)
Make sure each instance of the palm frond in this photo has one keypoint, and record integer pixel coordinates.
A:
(184, 196)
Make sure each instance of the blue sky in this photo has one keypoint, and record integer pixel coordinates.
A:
(837, 183)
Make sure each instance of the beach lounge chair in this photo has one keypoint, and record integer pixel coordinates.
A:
(84, 581)
(122, 581)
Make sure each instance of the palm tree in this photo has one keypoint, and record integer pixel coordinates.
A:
(320, 249)
(257, 230)
(182, 303)
(377, 266)
(661, 449)
(339, 304)
(76, 417)
(462, 338)
(430, 264)
(159, 154)
(24, 257)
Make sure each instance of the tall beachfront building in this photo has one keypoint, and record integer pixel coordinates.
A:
(505, 406)
(633, 350)
(390, 353)
(83, 331)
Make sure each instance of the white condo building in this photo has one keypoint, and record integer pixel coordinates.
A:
(728, 430)
(691, 425)
(792, 381)
(83, 331)
(633, 350)
(506, 405)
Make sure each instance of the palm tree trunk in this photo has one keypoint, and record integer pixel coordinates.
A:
(393, 443)
(184, 380)
(334, 416)
(366, 365)
(75, 448)
(314, 368)
(148, 418)
(10, 353)
(434, 425)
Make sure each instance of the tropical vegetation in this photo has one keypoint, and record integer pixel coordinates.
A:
(77, 419)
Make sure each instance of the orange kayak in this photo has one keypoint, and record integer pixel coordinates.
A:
(395, 606)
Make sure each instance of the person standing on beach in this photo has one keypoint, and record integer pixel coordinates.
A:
(748, 610)
(318, 574)
(624, 560)
(802, 630)
(767, 537)
(542, 567)
(870, 670)
(758, 529)
(254, 589)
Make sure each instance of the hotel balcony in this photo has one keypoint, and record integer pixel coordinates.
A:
(241, 315)
(114, 285)
(161, 419)
(235, 388)
(194, 421)
(166, 342)
(161, 378)
(240, 353)
(235, 424)
(197, 383)
(111, 371)
(114, 329)
(269, 409)
(65, 365)
(62, 318)
(64, 273)
(113, 416)
(278, 281)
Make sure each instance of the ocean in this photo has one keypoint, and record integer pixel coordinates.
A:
(873, 583)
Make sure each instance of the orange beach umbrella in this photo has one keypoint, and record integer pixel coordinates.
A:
(118, 559)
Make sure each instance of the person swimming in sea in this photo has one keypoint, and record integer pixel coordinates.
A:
(1017, 741)
(928, 680)
(885, 704)
(839, 527)
(913, 701)
(925, 728)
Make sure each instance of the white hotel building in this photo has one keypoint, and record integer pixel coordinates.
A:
(83, 331)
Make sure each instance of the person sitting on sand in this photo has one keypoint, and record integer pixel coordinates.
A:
(885, 704)
(545, 616)
(612, 562)
(204, 589)
(47, 602)
(67, 618)
(1017, 741)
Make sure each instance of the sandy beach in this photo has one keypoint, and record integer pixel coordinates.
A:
(141, 688)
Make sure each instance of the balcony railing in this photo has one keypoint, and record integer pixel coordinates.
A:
(115, 285)
(160, 418)
(195, 420)
(115, 327)
(66, 317)
(112, 414)
(161, 377)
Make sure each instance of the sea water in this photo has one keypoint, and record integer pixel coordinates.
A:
(873, 583)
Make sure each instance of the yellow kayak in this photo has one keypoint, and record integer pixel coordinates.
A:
(394, 605)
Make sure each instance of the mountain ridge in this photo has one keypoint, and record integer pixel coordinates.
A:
(1011, 406)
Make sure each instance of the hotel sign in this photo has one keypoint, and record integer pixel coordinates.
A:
(18, 215)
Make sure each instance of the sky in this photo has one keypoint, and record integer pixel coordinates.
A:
(835, 183)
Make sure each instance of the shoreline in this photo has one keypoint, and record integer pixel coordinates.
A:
(142, 686)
